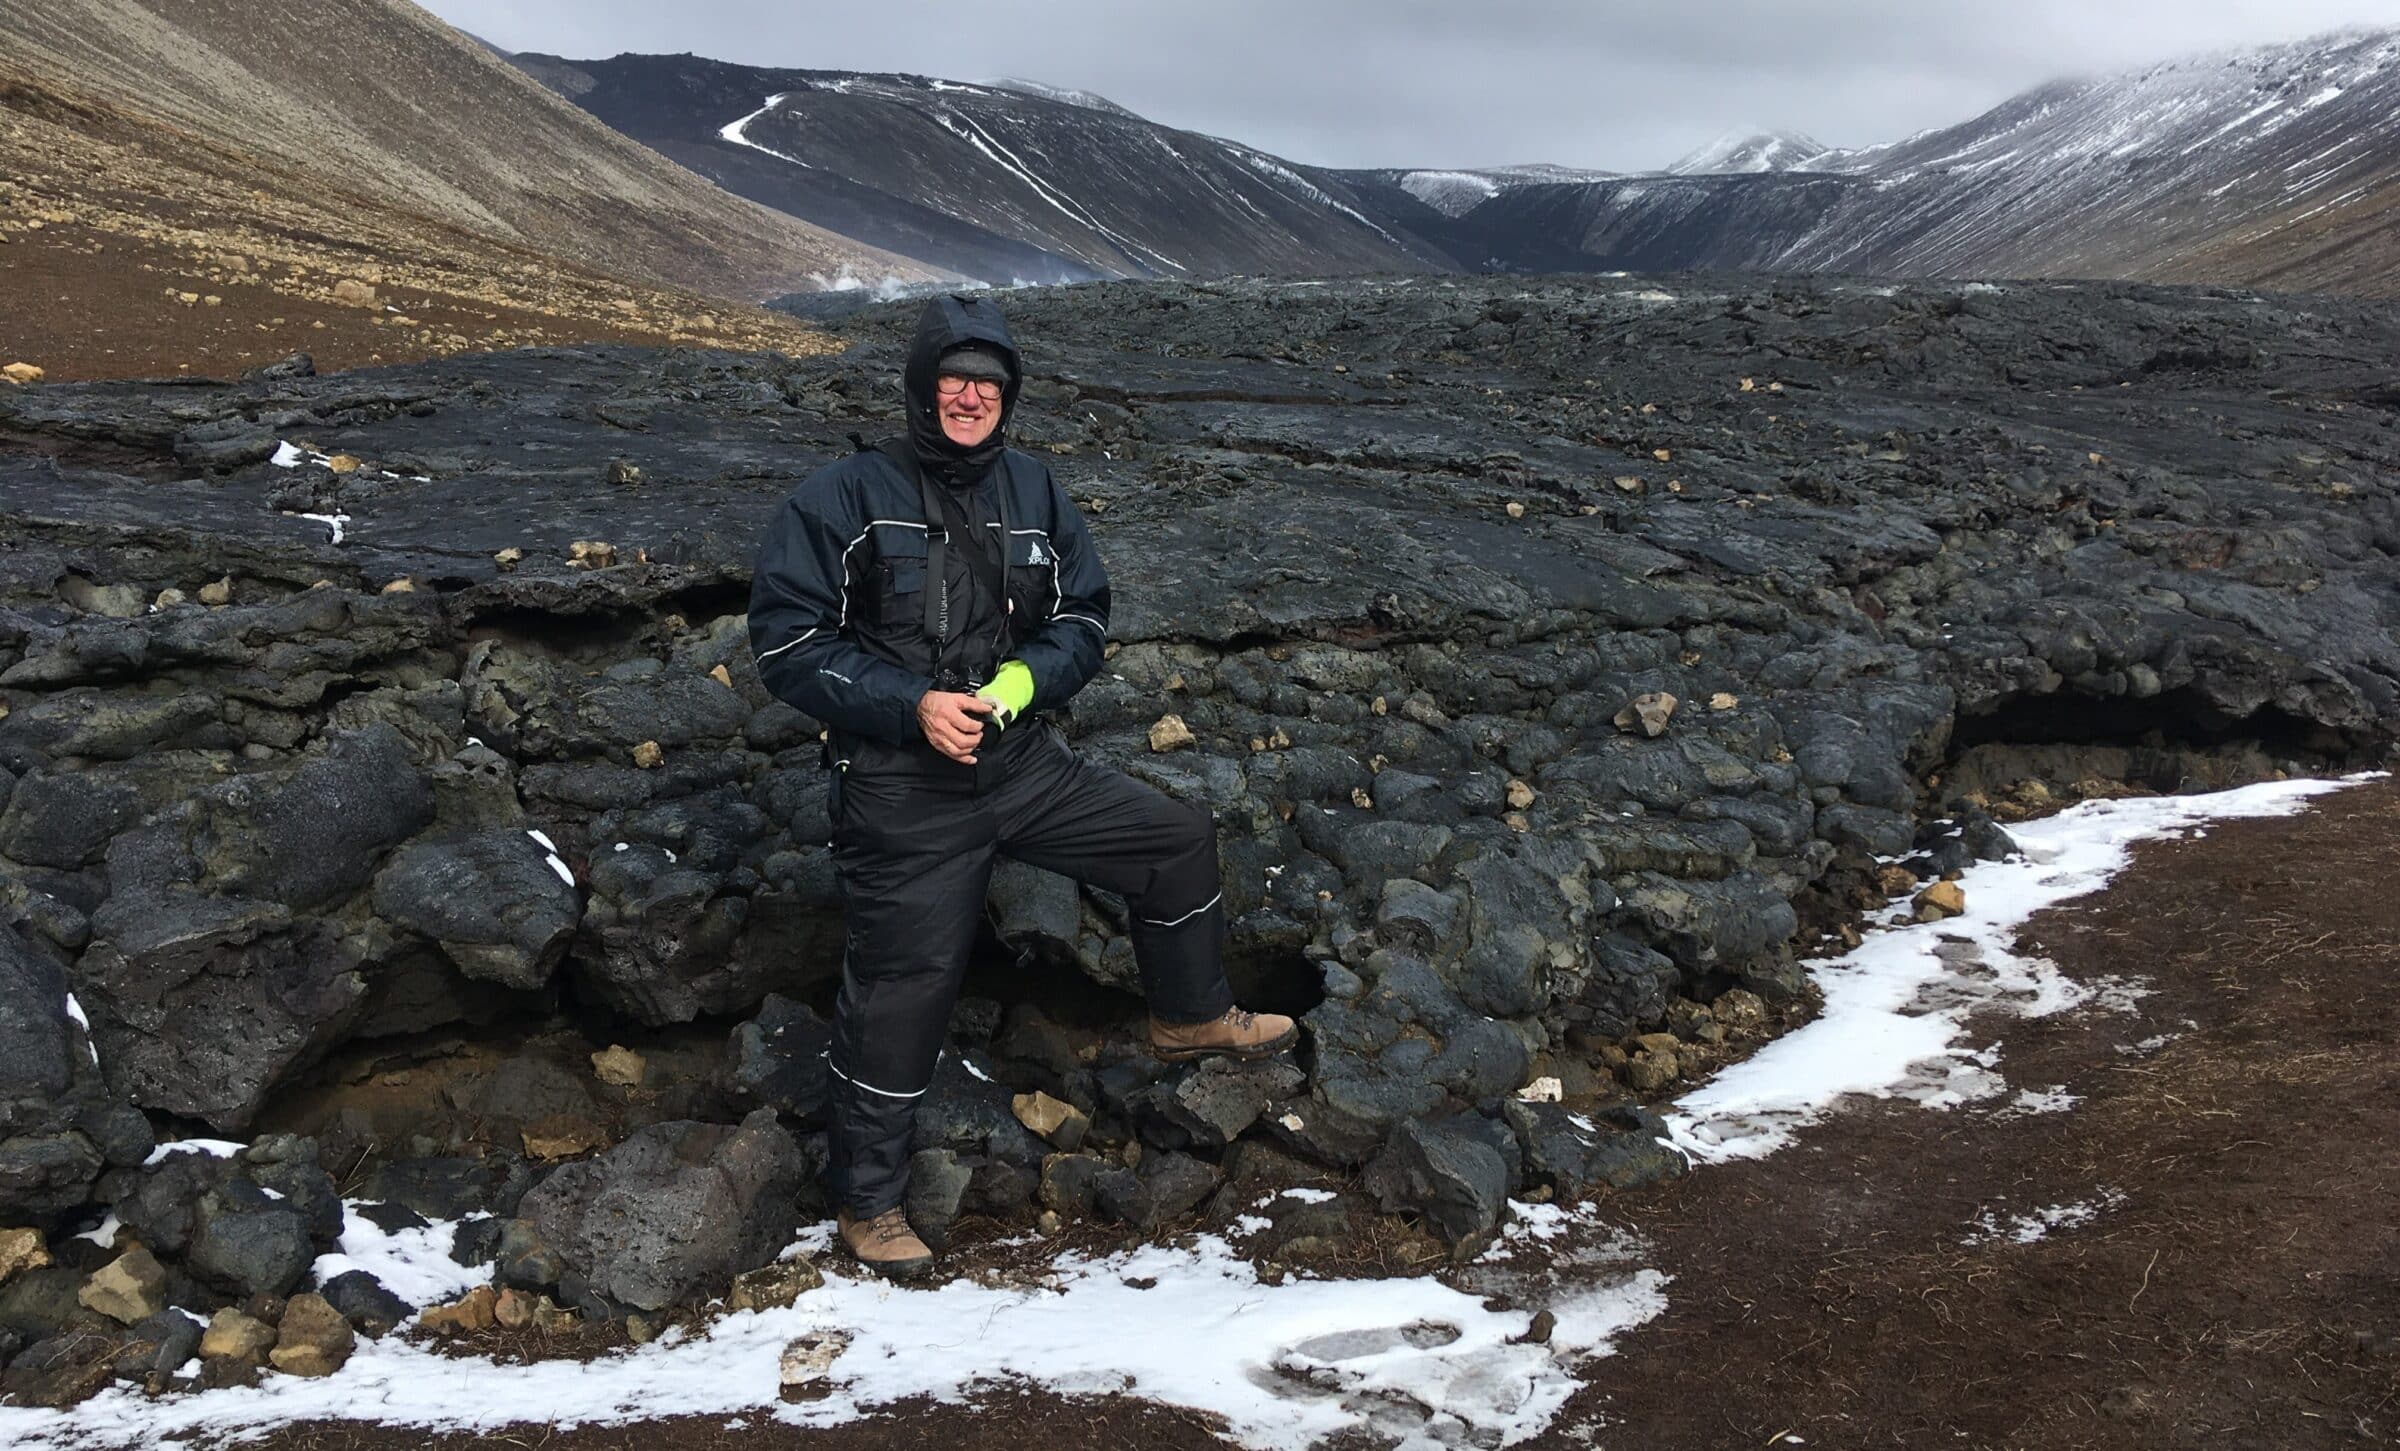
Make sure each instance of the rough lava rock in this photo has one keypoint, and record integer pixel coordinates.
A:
(674, 1212)
(60, 1123)
(1895, 550)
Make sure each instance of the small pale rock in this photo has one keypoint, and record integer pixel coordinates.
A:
(345, 463)
(241, 1337)
(1520, 795)
(313, 1339)
(1663, 455)
(514, 1309)
(1648, 713)
(1517, 821)
(807, 1359)
(1515, 510)
(475, 1310)
(401, 586)
(21, 373)
(354, 292)
(1740, 1011)
(509, 558)
(562, 1136)
(722, 676)
(1651, 1070)
(1062, 1124)
(591, 554)
(1723, 700)
(1360, 799)
(129, 1289)
(21, 1250)
(1629, 484)
(642, 1329)
(622, 471)
(1942, 899)
(212, 300)
(220, 592)
(170, 598)
(619, 1066)
(1169, 733)
(773, 1287)
(1894, 880)
(649, 755)
(549, 1319)
(1543, 1090)
(1381, 706)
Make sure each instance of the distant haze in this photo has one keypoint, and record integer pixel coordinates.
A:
(1599, 83)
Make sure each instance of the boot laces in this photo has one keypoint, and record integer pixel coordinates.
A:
(888, 1226)
(1240, 1020)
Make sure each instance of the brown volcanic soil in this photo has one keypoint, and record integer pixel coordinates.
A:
(2237, 1287)
(107, 221)
(2240, 1284)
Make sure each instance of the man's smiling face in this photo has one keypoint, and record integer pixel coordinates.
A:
(968, 416)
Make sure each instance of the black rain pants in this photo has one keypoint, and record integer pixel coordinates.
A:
(913, 847)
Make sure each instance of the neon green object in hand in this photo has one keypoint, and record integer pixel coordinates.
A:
(1011, 688)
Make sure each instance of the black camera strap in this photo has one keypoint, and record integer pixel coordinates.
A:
(945, 520)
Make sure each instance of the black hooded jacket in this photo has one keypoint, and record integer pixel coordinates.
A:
(837, 606)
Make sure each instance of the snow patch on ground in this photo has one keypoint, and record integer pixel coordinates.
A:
(1897, 1005)
(221, 1148)
(2055, 1099)
(1286, 1365)
(2027, 1228)
(414, 1264)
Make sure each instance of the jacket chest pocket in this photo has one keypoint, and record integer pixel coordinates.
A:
(899, 590)
(1032, 578)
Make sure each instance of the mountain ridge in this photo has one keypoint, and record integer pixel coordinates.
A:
(381, 97)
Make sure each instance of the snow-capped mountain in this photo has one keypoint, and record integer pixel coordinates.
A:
(1005, 181)
(1740, 153)
(2272, 166)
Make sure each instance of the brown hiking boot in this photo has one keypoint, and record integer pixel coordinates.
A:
(1237, 1034)
(885, 1243)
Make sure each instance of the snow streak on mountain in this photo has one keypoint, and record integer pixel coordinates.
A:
(1010, 182)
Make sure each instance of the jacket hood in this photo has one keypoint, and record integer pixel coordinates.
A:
(948, 320)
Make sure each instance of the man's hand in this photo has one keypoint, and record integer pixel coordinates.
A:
(953, 723)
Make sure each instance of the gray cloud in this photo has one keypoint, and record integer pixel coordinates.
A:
(1437, 83)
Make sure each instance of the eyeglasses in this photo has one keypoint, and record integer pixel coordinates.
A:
(950, 385)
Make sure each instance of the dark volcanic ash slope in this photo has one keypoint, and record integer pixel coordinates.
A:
(1004, 182)
(1398, 555)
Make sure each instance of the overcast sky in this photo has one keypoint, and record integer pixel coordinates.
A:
(1619, 84)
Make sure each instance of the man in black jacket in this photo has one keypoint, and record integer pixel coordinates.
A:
(926, 599)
